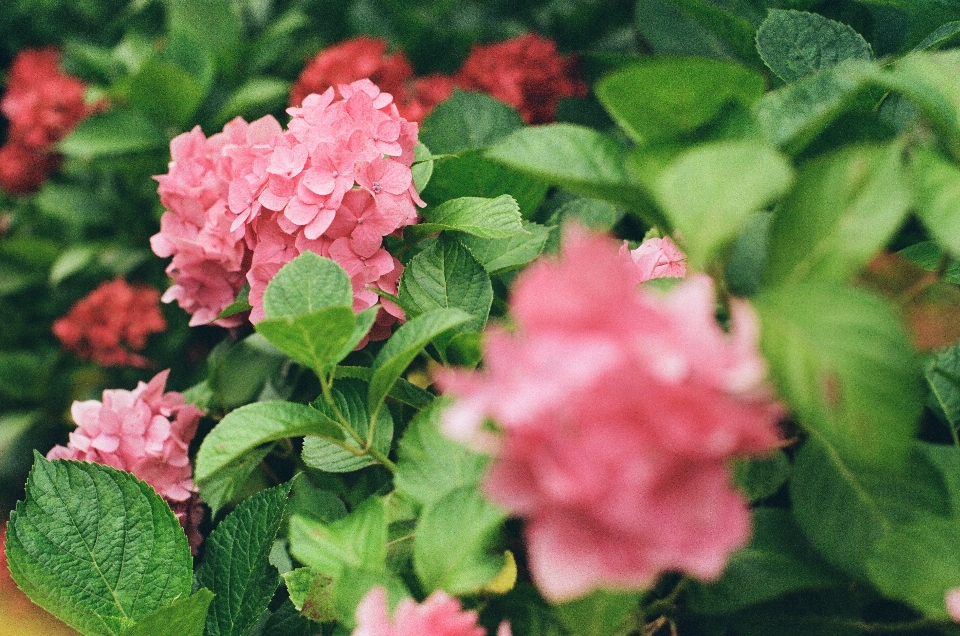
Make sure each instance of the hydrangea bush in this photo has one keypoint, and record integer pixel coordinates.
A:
(599, 318)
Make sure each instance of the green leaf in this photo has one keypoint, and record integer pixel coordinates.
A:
(256, 96)
(941, 37)
(844, 364)
(918, 563)
(116, 131)
(311, 593)
(664, 98)
(942, 371)
(778, 561)
(844, 509)
(936, 186)
(430, 465)
(792, 116)
(467, 121)
(236, 563)
(446, 275)
(601, 613)
(96, 547)
(350, 589)
(422, 167)
(183, 617)
(287, 621)
(501, 255)
(455, 542)
(733, 29)
(763, 477)
(166, 93)
(307, 284)
(238, 373)
(404, 345)
(223, 486)
(402, 391)
(711, 191)
(350, 397)
(358, 541)
(579, 159)
(317, 339)
(844, 208)
(669, 32)
(244, 429)
(215, 24)
(595, 214)
(497, 218)
(794, 44)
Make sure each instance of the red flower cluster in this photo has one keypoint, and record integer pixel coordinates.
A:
(111, 322)
(43, 105)
(526, 72)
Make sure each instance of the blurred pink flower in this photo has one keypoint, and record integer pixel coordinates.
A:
(146, 432)
(952, 600)
(438, 615)
(657, 258)
(619, 408)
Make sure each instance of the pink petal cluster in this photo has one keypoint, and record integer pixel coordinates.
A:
(952, 601)
(438, 615)
(146, 432)
(43, 104)
(112, 322)
(657, 258)
(620, 408)
(246, 201)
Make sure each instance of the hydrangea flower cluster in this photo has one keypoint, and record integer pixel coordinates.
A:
(620, 408)
(43, 105)
(246, 201)
(146, 432)
(526, 72)
(112, 322)
(438, 615)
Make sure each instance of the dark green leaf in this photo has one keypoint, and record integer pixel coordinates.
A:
(500, 255)
(240, 373)
(215, 24)
(497, 218)
(794, 44)
(287, 621)
(223, 486)
(350, 397)
(166, 93)
(467, 121)
(733, 29)
(254, 97)
(941, 37)
(96, 547)
(117, 131)
(601, 613)
(760, 478)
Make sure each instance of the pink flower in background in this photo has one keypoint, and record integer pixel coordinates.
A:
(146, 432)
(23, 169)
(952, 600)
(657, 258)
(619, 409)
(526, 72)
(112, 322)
(246, 201)
(438, 615)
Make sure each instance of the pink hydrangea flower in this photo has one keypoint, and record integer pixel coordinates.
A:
(246, 201)
(146, 432)
(657, 258)
(438, 615)
(619, 409)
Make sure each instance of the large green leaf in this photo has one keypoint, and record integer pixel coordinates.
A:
(735, 30)
(936, 186)
(794, 44)
(429, 465)
(500, 255)
(942, 371)
(306, 284)
(165, 92)
(358, 541)
(236, 564)
(350, 398)
(183, 617)
(446, 275)
(96, 547)
(668, 97)
(844, 364)
(843, 209)
(117, 131)
(779, 560)
(601, 613)
(316, 340)
(845, 509)
(467, 121)
(710, 191)
(246, 428)
(497, 218)
(215, 24)
(455, 541)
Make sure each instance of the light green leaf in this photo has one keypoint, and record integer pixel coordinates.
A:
(166, 93)
(455, 542)
(256, 96)
(350, 397)
(244, 429)
(446, 275)
(601, 613)
(223, 486)
(501, 255)
(306, 284)
(236, 563)
(794, 44)
(936, 187)
(404, 345)
(778, 561)
(96, 547)
(353, 586)
(215, 24)
(761, 477)
(942, 371)
(844, 208)
(667, 97)
(358, 541)
(431, 465)
(467, 121)
(116, 131)
(842, 360)
(311, 593)
(317, 339)
(497, 218)
(183, 617)
(711, 191)
(72, 260)
(422, 167)
(845, 510)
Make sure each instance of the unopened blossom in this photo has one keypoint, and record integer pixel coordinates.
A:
(146, 432)
(619, 410)
(526, 72)
(112, 322)
(246, 201)
(657, 258)
(438, 615)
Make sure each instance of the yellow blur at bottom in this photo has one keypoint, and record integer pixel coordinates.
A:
(20, 617)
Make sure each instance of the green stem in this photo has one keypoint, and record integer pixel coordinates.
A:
(383, 459)
(326, 385)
